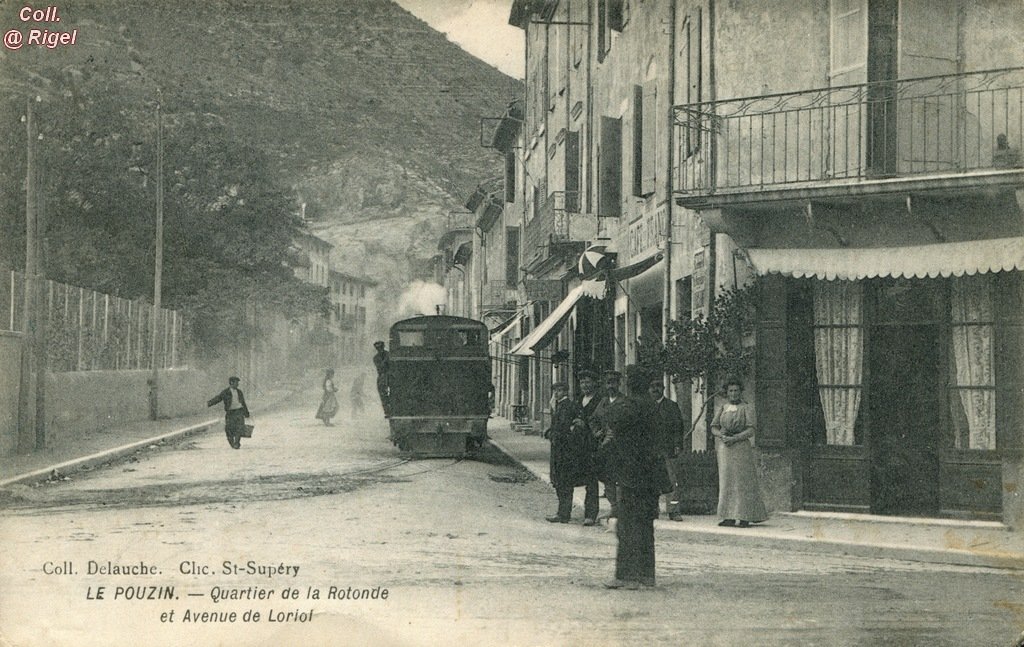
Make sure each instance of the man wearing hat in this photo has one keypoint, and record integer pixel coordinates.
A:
(603, 433)
(635, 465)
(235, 411)
(571, 464)
(382, 362)
(669, 434)
(588, 400)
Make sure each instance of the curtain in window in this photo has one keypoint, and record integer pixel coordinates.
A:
(839, 355)
(971, 316)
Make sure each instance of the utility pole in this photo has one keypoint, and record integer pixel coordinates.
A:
(42, 312)
(154, 397)
(25, 440)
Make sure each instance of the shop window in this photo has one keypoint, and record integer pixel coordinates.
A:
(972, 395)
(839, 357)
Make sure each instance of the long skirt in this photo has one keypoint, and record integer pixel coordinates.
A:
(739, 495)
(328, 407)
(634, 558)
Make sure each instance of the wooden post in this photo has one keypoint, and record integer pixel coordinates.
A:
(154, 399)
(92, 332)
(26, 436)
(40, 337)
(81, 325)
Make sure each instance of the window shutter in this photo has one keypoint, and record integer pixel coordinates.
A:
(610, 168)
(649, 137)
(510, 175)
(771, 364)
(638, 139)
(572, 172)
(694, 85)
(1009, 332)
(849, 39)
(511, 256)
(616, 15)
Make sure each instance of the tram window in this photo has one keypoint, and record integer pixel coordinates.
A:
(410, 337)
(467, 337)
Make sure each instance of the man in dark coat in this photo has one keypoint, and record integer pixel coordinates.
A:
(669, 434)
(570, 459)
(235, 411)
(635, 464)
(382, 362)
(611, 400)
(589, 399)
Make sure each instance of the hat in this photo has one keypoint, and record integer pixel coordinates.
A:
(559, 385)
(233, 379)
(587, 373)
(378, 344)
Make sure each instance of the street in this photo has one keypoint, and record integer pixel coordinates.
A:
(333, 538)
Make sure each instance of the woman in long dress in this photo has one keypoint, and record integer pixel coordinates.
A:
(329, 402)
(739, 495)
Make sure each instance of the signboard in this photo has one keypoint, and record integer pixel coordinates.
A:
(646, 233)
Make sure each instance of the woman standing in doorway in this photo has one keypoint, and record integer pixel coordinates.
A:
(329, 402)
(739, 495)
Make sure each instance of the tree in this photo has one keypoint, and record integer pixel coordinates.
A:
(705, 350)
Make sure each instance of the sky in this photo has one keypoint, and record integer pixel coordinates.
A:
(478, 26)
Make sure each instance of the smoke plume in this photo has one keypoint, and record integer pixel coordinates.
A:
(420, 298)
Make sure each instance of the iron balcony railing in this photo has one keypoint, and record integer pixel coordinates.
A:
(551, 223)
(930, 125)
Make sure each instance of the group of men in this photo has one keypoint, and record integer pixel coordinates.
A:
(629, 442)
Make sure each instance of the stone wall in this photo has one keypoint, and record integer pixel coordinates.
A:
(84, 401)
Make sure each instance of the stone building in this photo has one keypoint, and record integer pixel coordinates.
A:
(861, 157)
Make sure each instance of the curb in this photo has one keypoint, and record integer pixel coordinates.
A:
(108, 454)
(949, 556)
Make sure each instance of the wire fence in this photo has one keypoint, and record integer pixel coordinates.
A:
(89, 331)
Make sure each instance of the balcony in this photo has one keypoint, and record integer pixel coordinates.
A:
(950, 130)
(556, 223)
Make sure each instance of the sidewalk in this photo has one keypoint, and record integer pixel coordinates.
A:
(93, 448)
(945, 541)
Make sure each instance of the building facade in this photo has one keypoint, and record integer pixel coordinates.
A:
(869, 180)
(873, 182)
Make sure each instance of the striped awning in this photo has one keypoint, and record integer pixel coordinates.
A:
(506, 327)
(918, 261)
(546, 331)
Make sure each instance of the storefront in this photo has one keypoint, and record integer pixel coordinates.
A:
(889, 380)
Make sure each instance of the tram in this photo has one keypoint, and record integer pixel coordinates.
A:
(439, 383)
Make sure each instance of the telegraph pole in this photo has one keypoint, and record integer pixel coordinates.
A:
(154, 406)
(26, 441)
(42, 312)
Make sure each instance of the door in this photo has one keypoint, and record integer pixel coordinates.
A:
(883, 17)
(904, 393)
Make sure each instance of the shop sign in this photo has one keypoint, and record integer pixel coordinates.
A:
(646, 233)
(543, 290)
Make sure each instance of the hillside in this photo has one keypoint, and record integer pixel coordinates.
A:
(368, 113)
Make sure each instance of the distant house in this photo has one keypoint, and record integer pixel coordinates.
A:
(350, 296)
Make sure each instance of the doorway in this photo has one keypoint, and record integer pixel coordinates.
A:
(904, 375)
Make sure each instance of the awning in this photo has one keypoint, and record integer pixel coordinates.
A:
(505, 327)
(919, 261)
(636, 269)
(542, 335)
